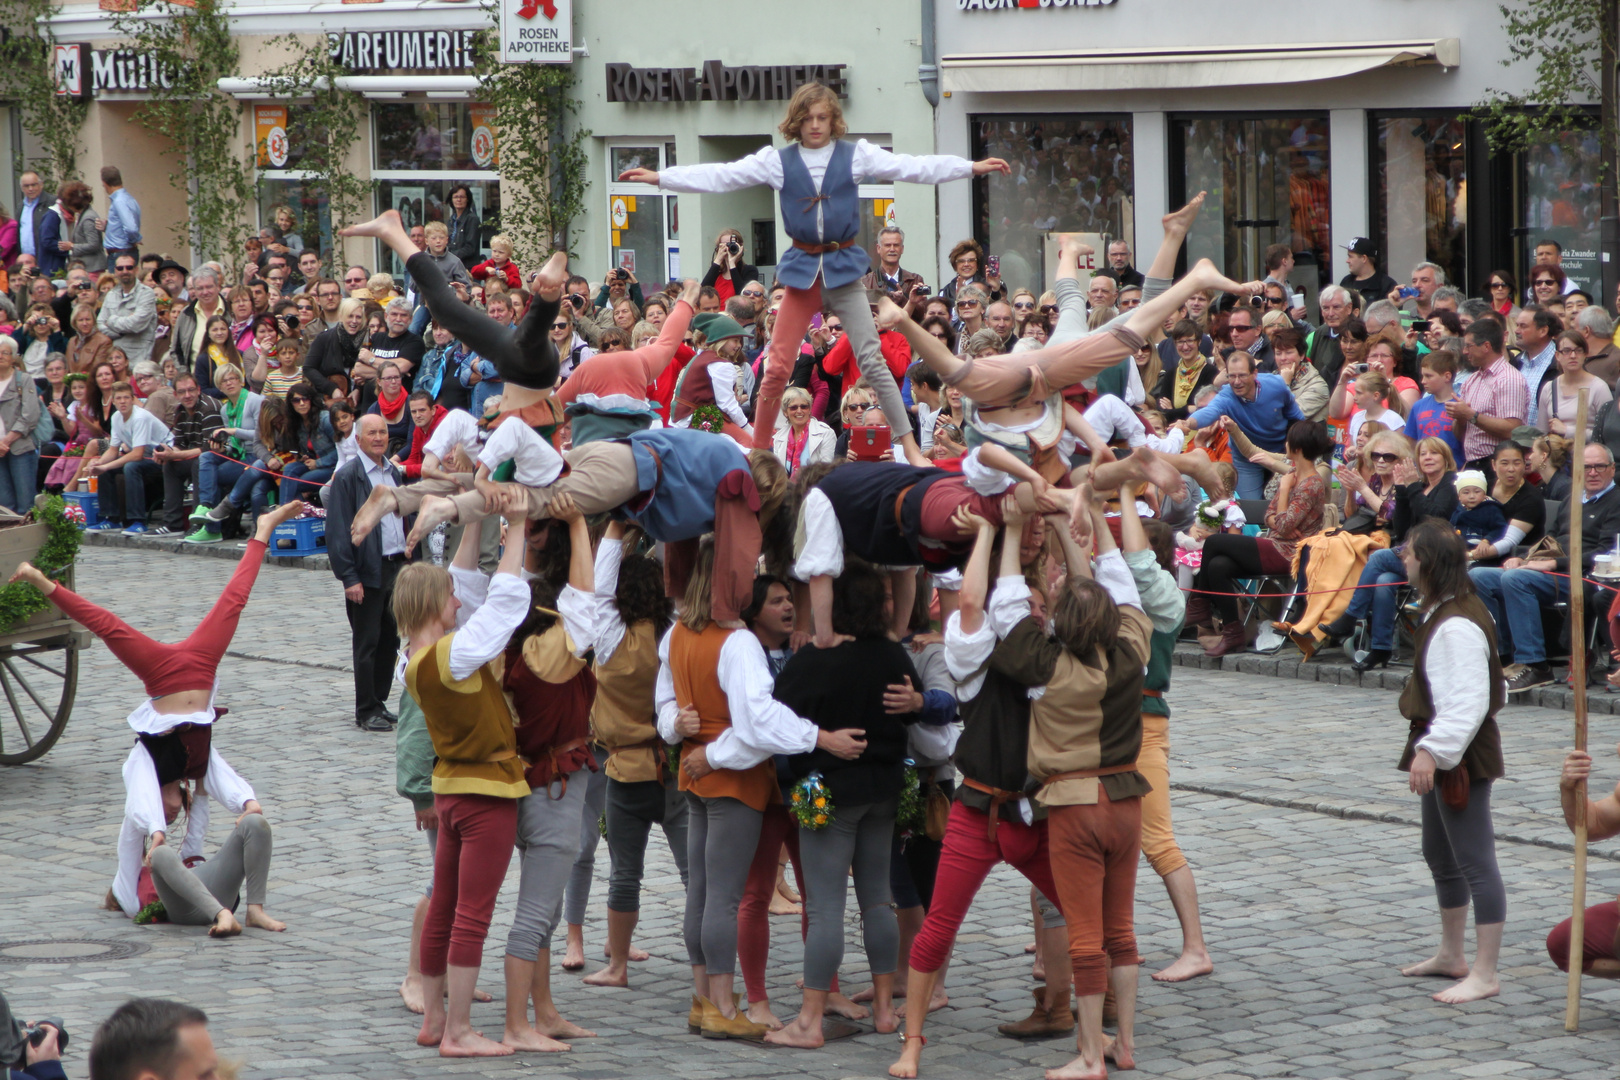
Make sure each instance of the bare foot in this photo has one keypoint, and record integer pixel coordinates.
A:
(636, 955)
(1069, 244)
(380, 502)
(225, 925)
(888, 314)
(839, 1005)
(411, 991)
(1204, 275)
(910, 1060)
(1160, 471)
(431, 1033)
(1202, 469)
(1032, 948)
(612, 975)
(1079, 1070)
(1037, 970)
(432, 513)
(530, 1040)
(797, 1034)
(1080, 529)
(258, 919)
(574, 955)
(481, 995)
(784, 890)
(386, 227)
(864, 995)
(1120, 1055)
(1177, 223)
(781, 905)
(472, 1045)
(552, 278)
(1438, 967)
(1187, 966)
(760, 1013)
(1473, 988)
(558, 1028)
(885, 1021)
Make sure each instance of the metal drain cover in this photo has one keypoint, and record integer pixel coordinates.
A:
(66, 951)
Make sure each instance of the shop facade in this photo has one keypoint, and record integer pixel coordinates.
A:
(663, 91)
(1113, 112)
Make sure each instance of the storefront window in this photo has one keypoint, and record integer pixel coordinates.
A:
(424, 150)
(1420, 196)
(1069, 174)
(1267, 179)
(1558, 200)
(645, 226)
(282, 143)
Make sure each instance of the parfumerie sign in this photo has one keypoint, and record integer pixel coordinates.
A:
(717, 82)
(364, 52)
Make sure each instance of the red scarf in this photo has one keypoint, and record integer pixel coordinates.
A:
(795, 447)
(391, 407)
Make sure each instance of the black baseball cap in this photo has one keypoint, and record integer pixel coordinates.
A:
(1362, 246)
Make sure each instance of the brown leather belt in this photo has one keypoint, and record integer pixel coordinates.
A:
(556, 773)
(499, 755)
(824, 249)
(656, 745)
(998, 798)
(899, 507)
(1152, 693)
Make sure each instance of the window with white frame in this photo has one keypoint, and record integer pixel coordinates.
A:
(422, 152)
(644, 224)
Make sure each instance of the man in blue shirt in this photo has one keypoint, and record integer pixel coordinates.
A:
(1428, 418)
(31, 218)
(1262, 406)
(122, 224)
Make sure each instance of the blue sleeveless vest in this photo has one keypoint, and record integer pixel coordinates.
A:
(840, 206)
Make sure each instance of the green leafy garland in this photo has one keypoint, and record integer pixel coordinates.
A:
(910, 816)
(20, 600)
(709, 418)
(811, 804)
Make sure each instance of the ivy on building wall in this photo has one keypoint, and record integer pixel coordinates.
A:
(325, 124)
(28, 81)
(542, 161)
(192, 49)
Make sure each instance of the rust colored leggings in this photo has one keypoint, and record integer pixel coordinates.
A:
(1094, 850)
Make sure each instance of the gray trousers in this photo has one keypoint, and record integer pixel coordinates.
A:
(590, 834)
(1460, 848)
(547, 840)
(632, 811)
(860, 837)
(849, 303)
(192, 897)
(721, 835)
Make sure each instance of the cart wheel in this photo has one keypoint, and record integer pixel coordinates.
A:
(39, 680)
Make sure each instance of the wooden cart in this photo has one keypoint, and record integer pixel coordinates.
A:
(39, 661)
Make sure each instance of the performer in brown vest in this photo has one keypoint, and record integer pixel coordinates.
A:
(1453, 754)
(714, 691)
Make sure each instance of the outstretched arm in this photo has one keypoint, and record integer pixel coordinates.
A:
(976, 575)
(762, 167)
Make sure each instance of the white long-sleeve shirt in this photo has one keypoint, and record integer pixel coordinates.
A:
(537, 462)
(871, 164)
(760, 725)
(967, 656)
(609, 628)
(143, 816)
(458, 428)
(1459, 672)
(491, 608)
(823, 549)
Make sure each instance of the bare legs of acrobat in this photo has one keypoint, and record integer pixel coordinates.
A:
(1479, 981)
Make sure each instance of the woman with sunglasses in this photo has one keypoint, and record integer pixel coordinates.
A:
(1024, 309)
(1500, 288)
(805, 440)
(310, 429)
(570, 344)
(1547, 283)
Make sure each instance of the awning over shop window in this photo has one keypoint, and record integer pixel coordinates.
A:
(1186, 68)
(433, 87)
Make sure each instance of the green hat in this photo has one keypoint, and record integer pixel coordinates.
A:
(716, 327)
(1525, 435)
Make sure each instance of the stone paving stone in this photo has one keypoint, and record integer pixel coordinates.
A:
(1301, 833)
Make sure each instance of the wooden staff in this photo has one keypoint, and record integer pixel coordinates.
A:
(1577, 676)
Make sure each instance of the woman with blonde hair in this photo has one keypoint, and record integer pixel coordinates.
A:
(456, 626)
(1370, 499)
(803, 440)
(818, 174)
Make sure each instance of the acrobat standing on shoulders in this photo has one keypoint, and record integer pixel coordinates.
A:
(818, 175)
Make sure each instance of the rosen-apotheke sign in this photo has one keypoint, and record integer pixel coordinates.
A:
(714, 81)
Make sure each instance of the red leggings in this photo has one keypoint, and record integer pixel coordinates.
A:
(754, 912)
(1602, 921)
(968, 856)
(476, 837)
(186, 665)
(1094, 853)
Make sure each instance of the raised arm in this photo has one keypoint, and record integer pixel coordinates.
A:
(976, 575)
(486, 633)
(764, 166)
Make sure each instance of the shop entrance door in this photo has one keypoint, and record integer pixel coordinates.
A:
(1267, 178)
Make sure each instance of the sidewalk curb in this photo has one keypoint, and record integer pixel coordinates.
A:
(225, 549)
(1289, 665)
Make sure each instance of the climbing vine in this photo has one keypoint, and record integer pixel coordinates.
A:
(192, 49)
(324, 125)
(28, 80)
(542, 160)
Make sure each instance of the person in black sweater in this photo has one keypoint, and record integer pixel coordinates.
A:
(1425, 489)
(728, 266)
(843, 687)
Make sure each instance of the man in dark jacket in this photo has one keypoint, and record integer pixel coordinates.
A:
(367, 571)
(1518, 592)
(886, 272)
(188, 341)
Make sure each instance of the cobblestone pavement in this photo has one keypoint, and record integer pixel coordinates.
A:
(1300, 830)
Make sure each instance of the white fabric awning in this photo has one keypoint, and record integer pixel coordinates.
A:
(1186, 68)
(434, 87)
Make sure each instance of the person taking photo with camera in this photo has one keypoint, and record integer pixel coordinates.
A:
(729, 271)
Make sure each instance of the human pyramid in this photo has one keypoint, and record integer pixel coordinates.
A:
(802, 707)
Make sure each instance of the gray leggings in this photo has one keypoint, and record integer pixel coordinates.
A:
(547, 841)
(1460, 848)
(632, 811)
(192, 897)
(590, 834)
(850, 304)
(721, 835)
(860, 837)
